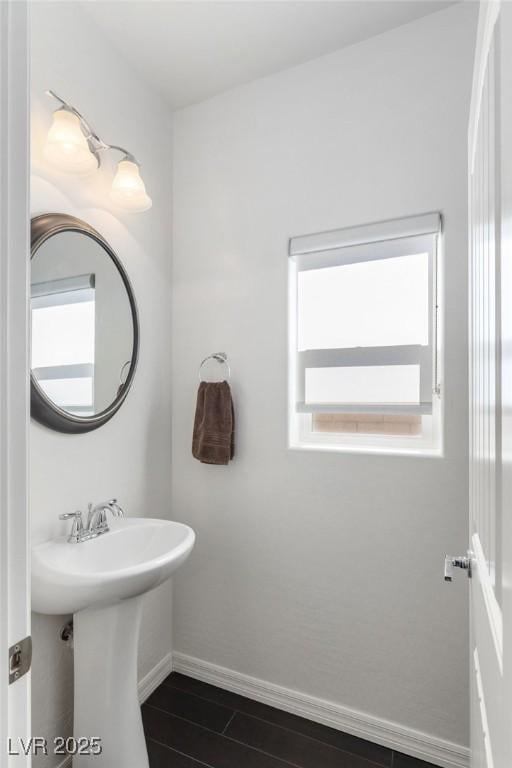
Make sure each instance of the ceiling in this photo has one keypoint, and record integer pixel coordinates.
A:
(191, 49)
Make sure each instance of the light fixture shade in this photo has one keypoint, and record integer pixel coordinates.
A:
(128, 190)
(66, 146)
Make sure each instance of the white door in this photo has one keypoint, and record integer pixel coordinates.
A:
(490, 330)
(14, 391)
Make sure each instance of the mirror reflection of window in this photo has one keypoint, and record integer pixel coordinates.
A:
(63, 341)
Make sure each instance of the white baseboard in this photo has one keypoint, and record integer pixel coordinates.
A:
(154, 677)
(392, 735)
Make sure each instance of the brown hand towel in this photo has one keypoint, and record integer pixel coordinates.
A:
(214, 424)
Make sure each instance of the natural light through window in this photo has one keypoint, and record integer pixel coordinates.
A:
(63, 334)
(363, 384)
(365, 338)
(63, 346)
(364, 305)
(71, 393)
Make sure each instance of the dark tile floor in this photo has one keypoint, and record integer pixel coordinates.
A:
(190, 724)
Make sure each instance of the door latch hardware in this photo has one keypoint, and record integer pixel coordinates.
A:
(20, 659)
(463, 562)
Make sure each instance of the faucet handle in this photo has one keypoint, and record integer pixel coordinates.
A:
(70, 515)
(78, 526)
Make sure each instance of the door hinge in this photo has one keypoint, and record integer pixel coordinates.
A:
(20, 659)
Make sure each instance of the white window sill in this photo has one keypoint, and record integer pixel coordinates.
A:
(430, 453)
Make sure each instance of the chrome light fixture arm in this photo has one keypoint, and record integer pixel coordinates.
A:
(127, 155)
(96, 144)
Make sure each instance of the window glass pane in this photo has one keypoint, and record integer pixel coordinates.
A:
(69, 393)
(367, 304)
(364, 384)
(63, 334)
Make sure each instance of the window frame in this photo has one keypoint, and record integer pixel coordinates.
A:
(355, 245)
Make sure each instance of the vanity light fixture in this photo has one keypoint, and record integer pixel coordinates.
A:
(128, 189)
(73, 146)
(66, 147)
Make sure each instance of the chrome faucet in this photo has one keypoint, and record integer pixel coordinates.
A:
(97, 516)
(115, 508)
(77, 531)
(96, 520)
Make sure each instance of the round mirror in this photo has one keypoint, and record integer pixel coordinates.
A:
(85, 332)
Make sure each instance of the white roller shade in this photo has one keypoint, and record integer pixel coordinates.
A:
(394, 229)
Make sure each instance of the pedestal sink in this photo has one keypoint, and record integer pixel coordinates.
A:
(102, 582)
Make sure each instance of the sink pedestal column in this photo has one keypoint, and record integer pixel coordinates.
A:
(106, 698)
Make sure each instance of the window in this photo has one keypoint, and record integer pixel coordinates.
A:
(364, 331)
(63, 341)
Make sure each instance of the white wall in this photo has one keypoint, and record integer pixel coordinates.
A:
(130, 456)
(322, 572)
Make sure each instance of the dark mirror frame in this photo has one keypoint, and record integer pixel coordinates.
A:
(43, 409)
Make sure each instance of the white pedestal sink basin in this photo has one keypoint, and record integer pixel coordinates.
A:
(102, 582)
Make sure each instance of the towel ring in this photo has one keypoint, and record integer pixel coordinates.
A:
(220, 357)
